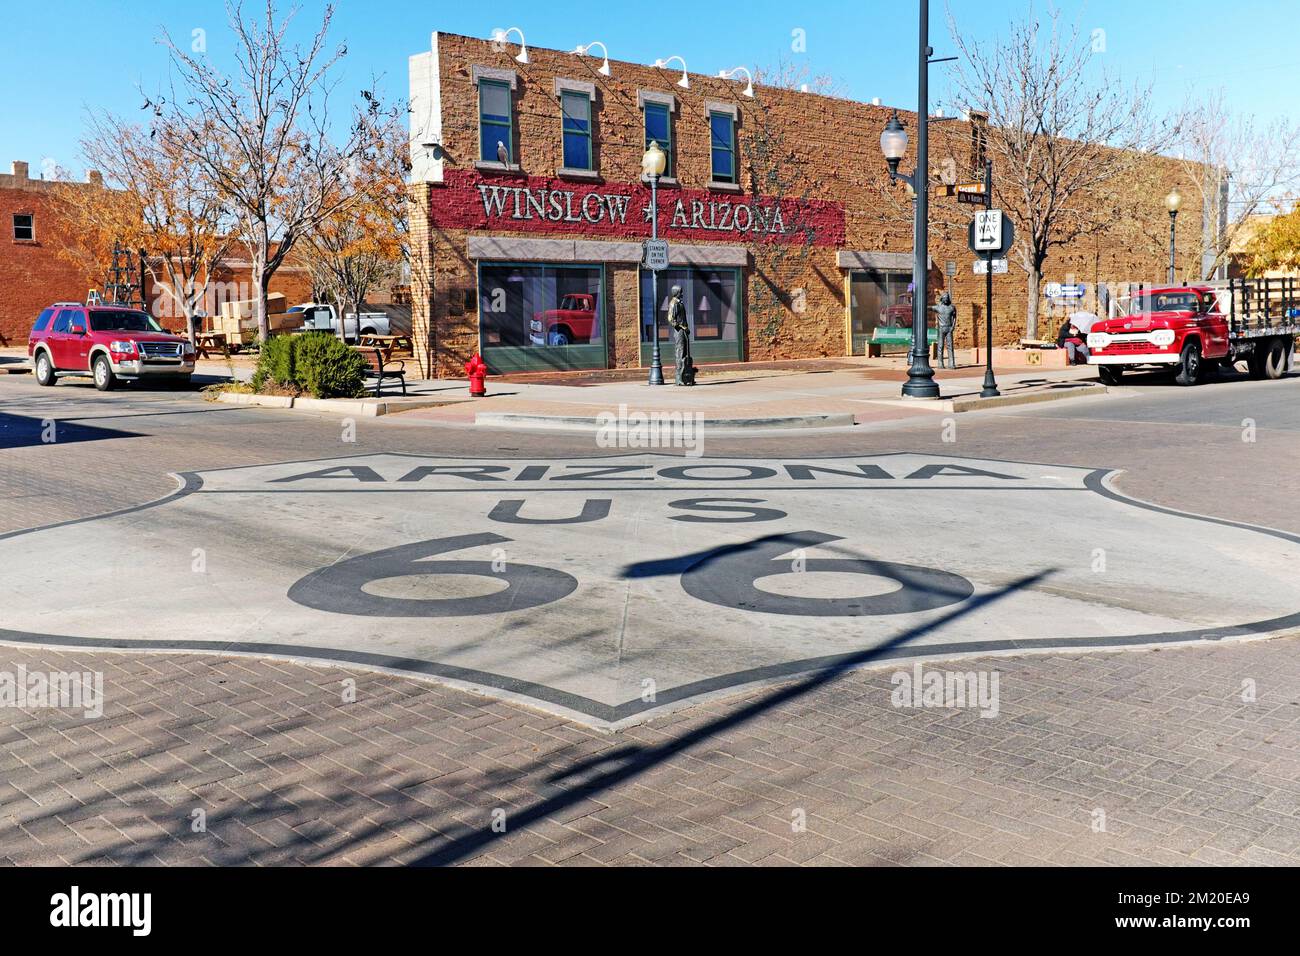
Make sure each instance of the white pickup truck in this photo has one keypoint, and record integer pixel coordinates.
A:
(319, 317)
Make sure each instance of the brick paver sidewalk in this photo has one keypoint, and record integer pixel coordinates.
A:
(1162, 743)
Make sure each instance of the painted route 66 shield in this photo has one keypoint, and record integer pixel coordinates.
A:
(608, 588)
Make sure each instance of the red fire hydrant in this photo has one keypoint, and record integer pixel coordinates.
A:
(477, 372)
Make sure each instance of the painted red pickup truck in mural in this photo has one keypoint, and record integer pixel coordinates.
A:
(570, 324)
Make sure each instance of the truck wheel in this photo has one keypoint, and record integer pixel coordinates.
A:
(557, 337)
(1190, 367)
(104, 377)
(1255, 363)
(1110, 374)
(1275, 360)
(44, 369)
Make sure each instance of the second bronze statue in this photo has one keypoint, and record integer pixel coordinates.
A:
(685, 373)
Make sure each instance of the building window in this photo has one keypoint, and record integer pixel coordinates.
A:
(711, 298)
(495, 121)
(658, 128)
(541, 316)
(880, 310)
(576, 110)
(723, 134)
(24, 227)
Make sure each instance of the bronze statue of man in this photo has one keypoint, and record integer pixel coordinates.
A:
(685, 374)
(946, 314)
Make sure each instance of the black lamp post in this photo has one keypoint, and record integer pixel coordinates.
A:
(893, 143)
(653, 164)
(1172, 202)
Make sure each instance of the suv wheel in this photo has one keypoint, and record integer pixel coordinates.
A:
(44, 369)
(104, 377)
(1190, 367)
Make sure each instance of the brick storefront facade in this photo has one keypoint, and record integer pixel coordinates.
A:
(810, 243)
(32, 273)
(35, 273)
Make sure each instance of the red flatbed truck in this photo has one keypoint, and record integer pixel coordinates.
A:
(1193, 330)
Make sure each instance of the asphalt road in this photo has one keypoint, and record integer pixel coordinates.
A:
(1224, 450)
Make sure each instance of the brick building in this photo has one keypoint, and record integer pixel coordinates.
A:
(785, 232)
(32, 273)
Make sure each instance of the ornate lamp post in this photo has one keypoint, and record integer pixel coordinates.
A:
(1172, 202)
(653, 164)
(893, 144)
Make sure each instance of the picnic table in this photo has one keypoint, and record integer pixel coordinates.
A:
(205, 342)
(387, 343)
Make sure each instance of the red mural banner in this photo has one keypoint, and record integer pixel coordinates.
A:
(503, 203)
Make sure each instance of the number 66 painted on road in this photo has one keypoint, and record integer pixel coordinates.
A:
(724, 577)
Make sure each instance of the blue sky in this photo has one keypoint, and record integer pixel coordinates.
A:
(76, 54)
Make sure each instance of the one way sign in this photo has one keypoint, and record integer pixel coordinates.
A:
(988, 230)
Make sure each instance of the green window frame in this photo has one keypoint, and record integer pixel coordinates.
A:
(722, 147)
(494, 127)
(666, 141)
(575, 112)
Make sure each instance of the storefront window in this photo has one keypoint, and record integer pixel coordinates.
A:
(712, 301)
(880, 309)
(542, 316)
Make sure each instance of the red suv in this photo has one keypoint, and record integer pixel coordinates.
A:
(107, 342)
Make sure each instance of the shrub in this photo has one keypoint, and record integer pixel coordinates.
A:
(275, 363)
(327, 367)
(313, 362)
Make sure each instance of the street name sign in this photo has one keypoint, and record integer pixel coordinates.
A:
(971, 193)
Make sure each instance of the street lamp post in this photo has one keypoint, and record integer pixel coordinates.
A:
(893, 143)
(1172, 202)
(990, 389)
(653, 164)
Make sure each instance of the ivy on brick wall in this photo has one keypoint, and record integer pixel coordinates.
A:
(773, 169)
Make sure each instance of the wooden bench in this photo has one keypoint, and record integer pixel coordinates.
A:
(381, 365)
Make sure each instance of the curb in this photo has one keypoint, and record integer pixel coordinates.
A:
(1032, 398)
(516, 420)
(363, 407)
(974, 403)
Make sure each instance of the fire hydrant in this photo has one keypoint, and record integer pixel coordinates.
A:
(477, 372)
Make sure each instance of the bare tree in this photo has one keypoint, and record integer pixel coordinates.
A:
(788, 74)
(162, 204)
(1248, 168)
(1063, 136)
(264, 136)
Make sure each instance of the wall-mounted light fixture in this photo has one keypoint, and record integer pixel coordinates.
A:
(500, 36)
(585, 48)
(684, 82)
(749, 79)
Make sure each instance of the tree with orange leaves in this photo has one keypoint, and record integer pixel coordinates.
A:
(156, 203)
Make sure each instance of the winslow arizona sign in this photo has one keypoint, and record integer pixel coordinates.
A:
(503, 203)
(609, 589)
